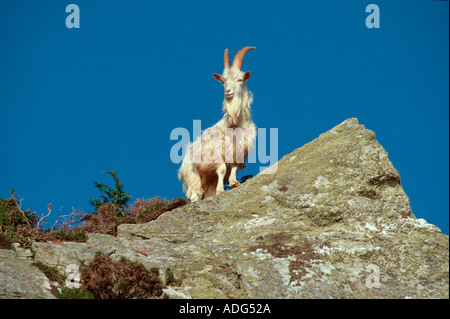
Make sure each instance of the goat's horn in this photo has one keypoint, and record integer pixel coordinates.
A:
(239, 57)
(226, 60)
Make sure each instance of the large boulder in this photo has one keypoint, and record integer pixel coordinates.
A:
(329, 220)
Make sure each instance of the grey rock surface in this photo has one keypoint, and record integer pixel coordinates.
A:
(330, 220)
(20, 280)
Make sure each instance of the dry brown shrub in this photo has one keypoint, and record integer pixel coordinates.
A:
(108, 216)
(104, 222)
(122, 279)
(144, 211)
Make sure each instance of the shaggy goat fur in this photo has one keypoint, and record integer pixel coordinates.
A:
(216, 155)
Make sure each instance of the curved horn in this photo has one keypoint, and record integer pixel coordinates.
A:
(226, 60)
(239, 57)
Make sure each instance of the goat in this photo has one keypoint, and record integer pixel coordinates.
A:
(216, 155)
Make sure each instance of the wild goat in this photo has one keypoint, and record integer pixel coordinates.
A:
(216, 155)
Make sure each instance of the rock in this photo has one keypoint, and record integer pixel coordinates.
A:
(19, 279)
(330, 221)
(22, 252)
(63, 254)
(173, 293)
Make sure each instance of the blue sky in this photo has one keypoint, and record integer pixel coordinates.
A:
(106, 96)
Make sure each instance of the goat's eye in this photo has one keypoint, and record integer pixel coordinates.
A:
(240, 80)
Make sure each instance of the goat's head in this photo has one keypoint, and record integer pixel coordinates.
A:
(233, 78)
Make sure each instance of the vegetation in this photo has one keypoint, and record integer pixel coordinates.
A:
(103, 278)
(50, 272)
(5, 242)
(108, 216)
(112, 210)
(11, 215)
(65, 235)
(122, 279)
(116, 196)
(72, 293)
(16, 225)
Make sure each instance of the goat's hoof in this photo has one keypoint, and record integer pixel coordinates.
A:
(219, 191)
(194, 198)
(234, 184)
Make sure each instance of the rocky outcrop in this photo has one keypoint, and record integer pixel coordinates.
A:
(19, 279)
(331, 220)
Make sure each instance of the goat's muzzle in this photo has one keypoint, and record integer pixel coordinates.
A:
(229, 94)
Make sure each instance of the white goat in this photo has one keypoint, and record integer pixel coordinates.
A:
(215, 157)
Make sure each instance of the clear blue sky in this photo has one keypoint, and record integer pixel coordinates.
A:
(75, 102)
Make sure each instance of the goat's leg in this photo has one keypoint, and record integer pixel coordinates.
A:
(232, 181)
(194, 189)
(194, 197)
(221, 171)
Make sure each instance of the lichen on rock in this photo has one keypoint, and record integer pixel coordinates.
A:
(310, 230)
(332, 210)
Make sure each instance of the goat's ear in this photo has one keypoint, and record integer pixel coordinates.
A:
(218, 77)
(246, 76)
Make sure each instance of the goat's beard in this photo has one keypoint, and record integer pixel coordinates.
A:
(233, 109)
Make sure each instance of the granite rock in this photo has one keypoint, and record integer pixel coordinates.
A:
(329, 220)
(20, 280)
